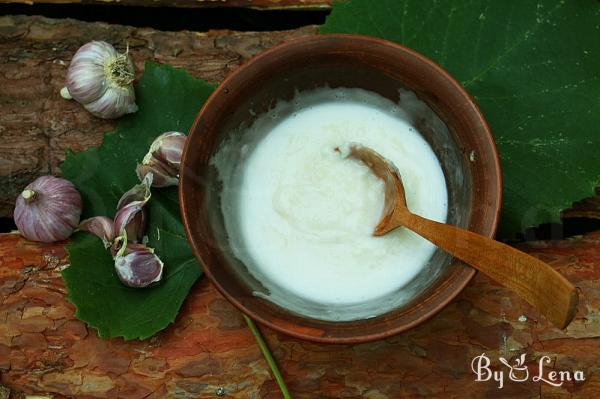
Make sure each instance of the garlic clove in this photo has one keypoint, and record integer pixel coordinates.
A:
(168, 148)
(163, 159)
(48, 209)
(101, 226)
(139, 192)
(138, 266)
(131, 215)
(163, 174)
(131, 219)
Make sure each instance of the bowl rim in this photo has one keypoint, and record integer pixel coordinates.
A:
(287, 328)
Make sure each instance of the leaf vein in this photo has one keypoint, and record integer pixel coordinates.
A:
(528, 34)
(425, 21)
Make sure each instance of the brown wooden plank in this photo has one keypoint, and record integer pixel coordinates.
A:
(45, 350)
(37, 125)
(257, 4)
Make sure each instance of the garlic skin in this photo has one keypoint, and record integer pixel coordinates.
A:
(48, 209)
(139, 192)
(137, 266)
(101, 226)
(101, 80)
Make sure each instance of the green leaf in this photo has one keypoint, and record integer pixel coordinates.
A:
(534, 69)
(168, 99)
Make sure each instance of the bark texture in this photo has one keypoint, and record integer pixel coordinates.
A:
(45, 350)
(37, 125)
(259, 4)
(586, 208)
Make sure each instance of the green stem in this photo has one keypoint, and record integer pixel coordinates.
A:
(268, 357)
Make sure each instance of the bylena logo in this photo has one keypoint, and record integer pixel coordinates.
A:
(520, 372)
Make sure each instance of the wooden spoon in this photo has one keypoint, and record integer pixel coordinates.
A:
(530, 278)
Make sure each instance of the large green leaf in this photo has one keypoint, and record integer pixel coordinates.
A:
(534, 69)
(168, 99)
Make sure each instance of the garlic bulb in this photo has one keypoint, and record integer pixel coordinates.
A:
(163, 159)
(48, 209)
(101, 80)
(137, 266)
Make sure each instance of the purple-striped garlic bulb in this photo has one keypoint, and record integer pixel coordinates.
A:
(101, 79)
(48, 209)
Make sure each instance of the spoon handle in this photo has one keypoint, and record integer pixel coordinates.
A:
(530, 278)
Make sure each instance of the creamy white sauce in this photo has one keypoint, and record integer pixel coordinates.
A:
(300, 216)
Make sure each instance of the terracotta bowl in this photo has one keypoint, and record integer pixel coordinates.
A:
(460, 138)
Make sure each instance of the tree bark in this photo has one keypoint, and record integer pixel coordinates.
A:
(45, 350)
(586, 208)
(37, 125)
(258, 4)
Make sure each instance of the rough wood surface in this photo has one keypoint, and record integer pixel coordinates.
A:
(258, 4)
(586, 208)
(37, 125)
(45, 350)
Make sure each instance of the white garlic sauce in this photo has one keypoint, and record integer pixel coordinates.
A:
(300, 216)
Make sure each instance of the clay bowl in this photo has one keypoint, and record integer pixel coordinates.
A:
(463, 144)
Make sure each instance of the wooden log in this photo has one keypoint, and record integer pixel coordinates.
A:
(44, 350)
(257, 4)
(586, 208)
(37, 125)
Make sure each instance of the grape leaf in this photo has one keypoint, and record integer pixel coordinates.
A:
(533, 67)
(168, 99)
